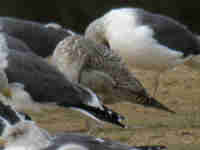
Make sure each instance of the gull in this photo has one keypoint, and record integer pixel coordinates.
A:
(45, 85)
(21, 133)
(84, 61)
(145, 40)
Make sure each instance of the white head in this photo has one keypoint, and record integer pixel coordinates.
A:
(68, 59)
(116, 19)
(96, 31)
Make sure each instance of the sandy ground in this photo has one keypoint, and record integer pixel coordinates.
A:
(179, 90)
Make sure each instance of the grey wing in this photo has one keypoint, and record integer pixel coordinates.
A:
(40, 39)
(94, 143)
(16, 44)
(41, 80)
(105, 60)
(98, 81)
(89, 142)
(170, 33)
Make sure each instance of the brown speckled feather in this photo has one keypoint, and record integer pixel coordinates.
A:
(102, 70)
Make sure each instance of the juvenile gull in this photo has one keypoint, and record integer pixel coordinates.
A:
(22, 134)
(46, 84)
(41, 38)
(145, 40)
(99, 68)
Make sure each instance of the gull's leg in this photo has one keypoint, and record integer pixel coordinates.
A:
(156, 83)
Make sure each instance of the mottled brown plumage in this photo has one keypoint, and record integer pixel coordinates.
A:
(102, 70)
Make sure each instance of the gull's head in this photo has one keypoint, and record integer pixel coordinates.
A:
(69, 58)
(115, 20)
(96, 31)
(20, 132)
(9, 118)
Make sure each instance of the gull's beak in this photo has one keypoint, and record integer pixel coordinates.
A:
(7, 92)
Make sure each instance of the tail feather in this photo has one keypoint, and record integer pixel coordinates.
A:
(156, 147)
(152, 102)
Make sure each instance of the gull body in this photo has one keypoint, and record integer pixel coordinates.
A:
(46, 85)
(145, 40)
(18, 132)
(101, 69)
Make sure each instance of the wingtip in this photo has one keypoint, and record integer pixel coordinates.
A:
(105, 114)
(152, 102)
(114, 117)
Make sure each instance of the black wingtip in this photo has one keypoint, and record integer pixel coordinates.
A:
(152, 102)
(103, 114)
(156, 147)
(113, 117)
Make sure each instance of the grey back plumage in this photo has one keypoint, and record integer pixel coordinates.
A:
(16, 44)
(169, 32)
(93, 143)
(42, 40)
(41, 80)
